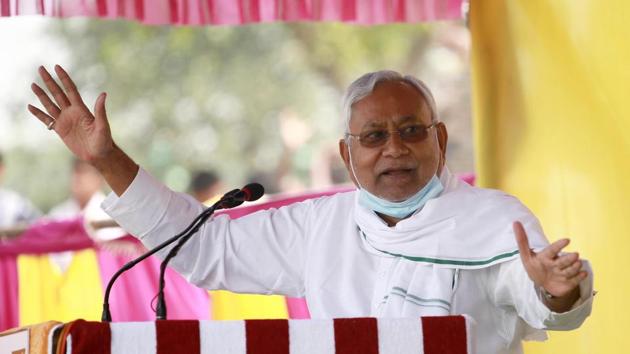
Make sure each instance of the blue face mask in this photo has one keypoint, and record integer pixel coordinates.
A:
(401, 209)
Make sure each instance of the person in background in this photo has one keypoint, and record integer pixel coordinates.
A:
(15, 210)
(205, 186)
(86, 186)
(86, 196)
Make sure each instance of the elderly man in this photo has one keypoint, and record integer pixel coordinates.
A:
(412, 240)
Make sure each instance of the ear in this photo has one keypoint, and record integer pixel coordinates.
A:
(344, 152)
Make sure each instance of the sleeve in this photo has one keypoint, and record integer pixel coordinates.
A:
(513, 291)
(259, 253)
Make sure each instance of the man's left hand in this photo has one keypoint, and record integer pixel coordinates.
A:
(557, 274)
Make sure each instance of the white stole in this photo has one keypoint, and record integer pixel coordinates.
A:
(463, 228)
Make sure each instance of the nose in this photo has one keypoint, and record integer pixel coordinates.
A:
(394, 147)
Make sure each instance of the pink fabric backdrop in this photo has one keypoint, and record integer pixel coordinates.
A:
(219, 12)
(8, 293)
(131, 295)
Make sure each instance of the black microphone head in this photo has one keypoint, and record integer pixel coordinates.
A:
(253, 191)
(230, 203)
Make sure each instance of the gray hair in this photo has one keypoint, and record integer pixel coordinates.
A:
(364, 86)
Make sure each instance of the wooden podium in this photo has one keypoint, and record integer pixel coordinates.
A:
(426, 335)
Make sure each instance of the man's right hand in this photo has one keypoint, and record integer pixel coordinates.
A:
(87, 135)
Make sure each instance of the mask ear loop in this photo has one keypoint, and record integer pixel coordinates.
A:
(348, 143)
(437, 142)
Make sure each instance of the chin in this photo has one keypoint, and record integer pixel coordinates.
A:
(397, 196)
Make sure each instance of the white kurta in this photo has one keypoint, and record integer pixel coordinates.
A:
(314, 249)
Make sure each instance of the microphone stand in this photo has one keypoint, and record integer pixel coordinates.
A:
(196, 223)
(227, 201)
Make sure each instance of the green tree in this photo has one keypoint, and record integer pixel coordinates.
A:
(181, 98)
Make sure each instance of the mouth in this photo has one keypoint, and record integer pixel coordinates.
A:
(396, 172)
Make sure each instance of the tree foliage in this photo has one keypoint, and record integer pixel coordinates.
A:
(184, 98)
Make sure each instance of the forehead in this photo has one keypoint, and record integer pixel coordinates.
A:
(395, 101)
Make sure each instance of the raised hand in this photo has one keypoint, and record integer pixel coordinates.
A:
(87, 135)
(559, 275)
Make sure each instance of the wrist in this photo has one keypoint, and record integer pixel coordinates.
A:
(544, 294)
(118, 169)
(561, 303)
(104, 162)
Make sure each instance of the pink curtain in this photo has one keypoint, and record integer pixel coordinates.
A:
(8, 293)
(131, 295)
(234, 12)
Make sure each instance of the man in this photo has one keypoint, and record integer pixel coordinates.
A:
(411, 241)
(15, 210)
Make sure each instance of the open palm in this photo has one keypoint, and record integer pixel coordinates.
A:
(87, 135)
(558, 274)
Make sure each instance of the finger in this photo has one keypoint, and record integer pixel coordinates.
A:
(572, 270)
(99, 106)
(68, 84)
(50, 107)
(100, 114)
(55, 90)
(578, 278)
(522, 241)
(566, 260)
(551, 251)
(43, 117)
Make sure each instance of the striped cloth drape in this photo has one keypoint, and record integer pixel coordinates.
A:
(234, 12)
(426, 335)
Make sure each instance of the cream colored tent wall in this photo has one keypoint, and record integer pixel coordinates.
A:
(551, 98)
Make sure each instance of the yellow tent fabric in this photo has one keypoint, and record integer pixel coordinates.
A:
(231, 306)
(551, 81)
(47, 293)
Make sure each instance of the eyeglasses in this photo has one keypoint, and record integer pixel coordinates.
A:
(409, 133)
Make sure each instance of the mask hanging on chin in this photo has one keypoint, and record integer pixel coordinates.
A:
(401, 209)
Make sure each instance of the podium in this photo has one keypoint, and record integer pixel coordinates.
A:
(426, 335)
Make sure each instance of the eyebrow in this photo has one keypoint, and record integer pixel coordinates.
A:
(397, 120)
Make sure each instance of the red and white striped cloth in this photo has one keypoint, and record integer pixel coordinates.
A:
(428, 335)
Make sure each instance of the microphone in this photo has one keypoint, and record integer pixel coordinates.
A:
(233, 198)
(250, 192)
(236, 197)
(195, 224)
(226, 202)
